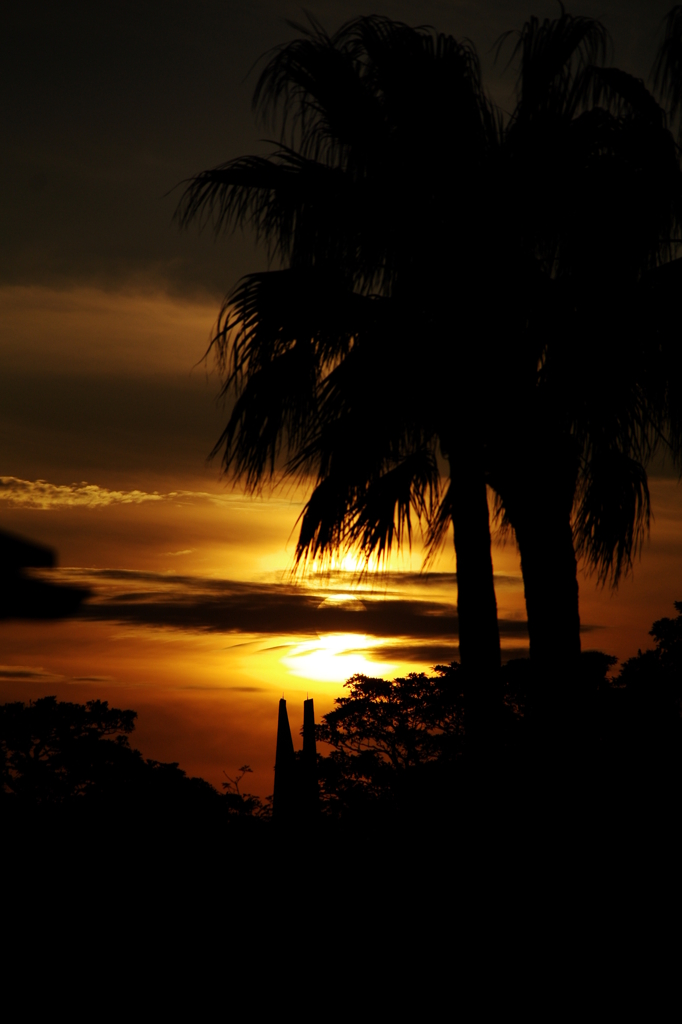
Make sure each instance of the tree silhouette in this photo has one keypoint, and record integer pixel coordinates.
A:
(244, 804)
(667, 70)
(596, 175)
(652, 682)
(56, 753)
(357, 363)
(401, 748)
(396, 331)
(396, 743)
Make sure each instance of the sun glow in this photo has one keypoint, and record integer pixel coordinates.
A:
(355, 565)
(335, 657)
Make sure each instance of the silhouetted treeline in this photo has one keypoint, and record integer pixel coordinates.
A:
(400, 749)
(58, 759)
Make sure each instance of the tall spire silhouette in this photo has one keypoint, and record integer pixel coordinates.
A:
(284, 793)
(295, 796)
(309, 788)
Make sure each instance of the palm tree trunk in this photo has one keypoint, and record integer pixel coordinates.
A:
(550, 580)
(539, 508)
(537, 487)
(479, 638)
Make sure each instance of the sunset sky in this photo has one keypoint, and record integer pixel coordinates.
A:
(107, 412)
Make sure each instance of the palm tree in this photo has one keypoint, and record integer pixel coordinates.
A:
(596, 177)
(359, 360)
(370, 351)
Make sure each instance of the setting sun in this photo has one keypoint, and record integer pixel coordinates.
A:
(334, 658)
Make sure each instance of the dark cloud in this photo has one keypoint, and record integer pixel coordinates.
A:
(263, 609)
(106, 107)
(93, 679)
(425, 629)
(425, 653)
(232, 689)
(249, 689)
(51, 423)
(378, 582)
(344, 578)
(229, 606)
(30, 674)
(431, 654)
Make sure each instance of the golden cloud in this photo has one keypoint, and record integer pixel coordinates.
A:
(41, 494)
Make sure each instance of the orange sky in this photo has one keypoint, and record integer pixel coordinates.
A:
(196, 622)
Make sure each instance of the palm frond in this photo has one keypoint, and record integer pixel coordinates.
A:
(384, 515)
(438, 524)
(612, 514)
(278, 336)
(296, 206)
(623, 93)
(348, 512)
(267, 312)
(667, 69)
(271, 412)
(314, 90)
(555, 59)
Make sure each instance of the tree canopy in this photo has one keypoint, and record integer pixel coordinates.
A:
(54, 753)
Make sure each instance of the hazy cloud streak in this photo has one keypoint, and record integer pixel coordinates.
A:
(40, 494)
(268, 609)
(32, 675)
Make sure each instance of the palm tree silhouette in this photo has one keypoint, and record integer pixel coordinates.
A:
(359, 361)
(452, 284)
(595, 172)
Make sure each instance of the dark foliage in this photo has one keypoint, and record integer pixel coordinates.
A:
(244, 804)
(650, 690)
(665, 661)
(55, 753)
(668, 66)
(390, 740)
(399, 747)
